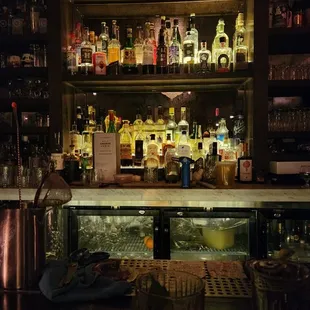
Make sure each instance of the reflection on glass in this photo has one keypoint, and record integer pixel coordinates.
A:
(121, 236)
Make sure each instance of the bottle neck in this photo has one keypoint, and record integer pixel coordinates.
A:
(183, 115)
(103, 28)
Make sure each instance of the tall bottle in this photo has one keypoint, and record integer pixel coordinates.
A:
(137, 125)
(162, 54)
(189, 48)
(87, 147)
(129, 62)
(148, 51)
(86, 53)
(240, 50)
(174, 52)
(182, 125)
(220, 33)
(78, 42)
(195, 34)
(149, 125)
(222, 56)
(204, 58)
(34, 17)
(184, 148)
(125, 147)
(91, 118)
(138, 144)
(71, 58)
(139, 45)
(171, 126)
(75, 140)
(104, 39)
(92, 41)
(160, 128)
(152, 34)
(222, 131)
(245, 166)
(110, 122)
(57, 155)
(114, 47)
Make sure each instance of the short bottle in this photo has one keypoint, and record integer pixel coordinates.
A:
(86, 54)
(222, 56)
(204, 58)
(184, 148)
(138, 44)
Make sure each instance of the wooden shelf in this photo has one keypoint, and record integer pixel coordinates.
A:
(159, 83)
(289, 40)
(129, 8)
(25, 130)
(289, 134)
(23, 72)
(25, 105)
(288, 87)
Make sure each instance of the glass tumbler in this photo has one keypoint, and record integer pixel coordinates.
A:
(169, 290)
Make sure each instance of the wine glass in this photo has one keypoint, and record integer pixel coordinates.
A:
(305, 175)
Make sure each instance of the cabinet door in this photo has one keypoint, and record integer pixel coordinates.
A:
(122, 233)
(190, 235)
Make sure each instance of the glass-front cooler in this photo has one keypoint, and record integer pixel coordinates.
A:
(287, 232)
(201, 235)
(126, 234)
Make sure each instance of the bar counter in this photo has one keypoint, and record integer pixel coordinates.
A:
(252, 195)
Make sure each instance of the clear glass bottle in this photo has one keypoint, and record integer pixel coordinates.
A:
(152, 148)
(204, 58)
(148, 51)
(184, 148)
(91, 117)
(222, 57)
(160, 128)
(151, 162)
(129, 62)
(152, 34)
(125, 145)
(171, 126)
(114, 47)
(168, 144)
(172, 168)
(110, 122)
(220, 33)
(86, 53)
(137, 128)
(139, 45)
(162, 54)
(104, 38)
(75, 140)
(182, 125)
(199, 153)
(195, 35)
(222, 131)
(240, 50)
(174, 52)
(189, 48)
(71, 58)
(78, 42)
(149, 125)
(92, 41)
(87, 147)
(193, 136)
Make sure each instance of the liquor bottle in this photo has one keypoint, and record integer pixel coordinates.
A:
(239, 127)
(220, 33)
(193, 136)
(43, 21)
(167, 31)
(189, 48)
(18, 20)
(171, 124)
(176, 25)
(125, 145)
(162, 27)
(137, 127)
(110, 122)
(174, 52)
(195, 35)
(71, 58)
(79, 119)
(78, 42)
(222, 56)
(222, 131)
(149, 126)
(57, 155)
(100, 62)
(184, 148)
(199, 153)
(139, 45)
(129, 62)
(86, 54)
(103, 39)
(298, 13)
(245, 166)
(152, 34)
(162, 52)
(92, 41)
(34, 17)
(182, 125)
(240, 50)
(92, 118)
(75, 140)
(138, 140)
(87, 147)
(152, 148)
(148, 51)
(114, 47)
(168, 144)
(204, 58)
(160, 128)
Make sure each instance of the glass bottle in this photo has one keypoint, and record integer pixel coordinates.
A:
(167, 31)
(199, 153)
(182, 125)
(129, 62)
(152, 148)
(222, 131)
(245, 166)
(137, 127)
(125, 145)
(151, 161)
(43, 21)
(195, 35)
(110, 122)
(138, 140)
(71, 57)
(92, 41)
(148, 51)
(149, 126)
(204, 58)
(176, 25)
(184, 148)
(160, 128)
(193, 136)
(222, 57)
(79, 119)
(152, 34)
(87, 147)
(189, 48)
(174, 52)
(168, 144)
(171, 124)
(114, 47)
(78, 42)
(162, 52)
(34, 17)
(139, 45)
(103, 39)
(240, 50)
(220, 33)
(86, 53)
(75, 140)
(57, 155)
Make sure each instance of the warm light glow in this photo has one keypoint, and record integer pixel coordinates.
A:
(95, 94)
(172, 95)
(231, 117)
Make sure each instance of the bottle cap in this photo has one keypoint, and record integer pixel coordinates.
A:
(152, 136)
(168, 136)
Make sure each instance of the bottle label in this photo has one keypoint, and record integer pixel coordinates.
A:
(184, 151)
(125, 150)
(246, 170)
(174, 55)
(58, 159)
(129, 57)
(152, 150)
(223, 63)
(162, 57)
(189, 50)
(100, 63)
(148, 54)
(204, 61)
(86, 55)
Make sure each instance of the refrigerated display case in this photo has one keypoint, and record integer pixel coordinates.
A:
(126, 234)
(202, 235)
(287, 231)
